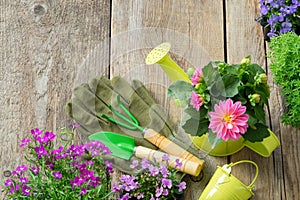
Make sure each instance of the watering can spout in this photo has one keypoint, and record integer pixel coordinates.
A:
(160, 55)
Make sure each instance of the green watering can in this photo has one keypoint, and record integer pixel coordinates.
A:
(160, 55)
(223, 185)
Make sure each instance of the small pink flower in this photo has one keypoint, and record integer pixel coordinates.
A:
(196, 101)
(228, 120)
(197, 76)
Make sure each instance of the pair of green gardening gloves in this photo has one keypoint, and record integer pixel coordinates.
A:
(91, 100)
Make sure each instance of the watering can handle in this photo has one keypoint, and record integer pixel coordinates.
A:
(168, 146)
(251, 185)
(187, 166)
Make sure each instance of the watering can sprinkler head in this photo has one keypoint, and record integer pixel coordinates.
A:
(160, 55)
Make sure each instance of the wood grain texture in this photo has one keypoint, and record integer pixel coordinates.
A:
(48, 47)
(42, 47)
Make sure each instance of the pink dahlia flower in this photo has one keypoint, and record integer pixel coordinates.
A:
(228, 120)
(197, 76)
(196, 100)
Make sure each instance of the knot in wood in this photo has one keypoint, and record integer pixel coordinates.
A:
(40, 9)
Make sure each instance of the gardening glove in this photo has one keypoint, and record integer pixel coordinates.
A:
(91, 100)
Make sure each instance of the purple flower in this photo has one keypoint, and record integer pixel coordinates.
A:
(108, 166)
(57, 175)
(83, 191)
(19, 170)
(134, 164)
(285, 27)
(178, 163)
(24, 142)
(166, 183)
(23, 180)
(8, 182)
(166, 157)
(50, 136)
(153, 170)
(77, 181)
(35, 170)
(264, 9)
(26, 190)
(159, 192)
(164, 170)
(145, 163)
(36, 132)
(41, 151)
(125, 197)
(181, 186)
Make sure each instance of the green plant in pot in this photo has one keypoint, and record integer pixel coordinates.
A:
(285, 66)
(225, 107)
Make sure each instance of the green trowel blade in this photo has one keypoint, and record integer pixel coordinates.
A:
(120, 145)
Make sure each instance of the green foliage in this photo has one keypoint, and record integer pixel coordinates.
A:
(217, 81)
(285, 66)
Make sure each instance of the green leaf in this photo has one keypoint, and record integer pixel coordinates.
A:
(256, 134)
(193, 113)
(252, 119)
(180, 90)
(213, 139)
(231, 84)
(196, 127)
(260, 113)
(263, 91)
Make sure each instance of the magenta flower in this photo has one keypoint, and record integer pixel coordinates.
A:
(178, 163)
(24, 142)
(197, 76)
(8, 182)
(57, 175)
(26, 190)
(181, 186)
(23, 180)
(166, 183)
(196, 101)
(228, 120)
(134, 164)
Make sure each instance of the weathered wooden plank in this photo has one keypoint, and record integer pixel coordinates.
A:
(194, 29)
(42, 47)
(244, 37)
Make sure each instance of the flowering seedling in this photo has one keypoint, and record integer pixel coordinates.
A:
(280, 16)
(60, 173)
(226, 101)
(155, 181)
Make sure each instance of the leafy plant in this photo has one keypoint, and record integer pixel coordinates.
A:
(226, 101)
(155, 181)
(60, 173)
(280, 16)
(285, 66)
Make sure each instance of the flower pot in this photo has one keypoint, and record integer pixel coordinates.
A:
(264, 148)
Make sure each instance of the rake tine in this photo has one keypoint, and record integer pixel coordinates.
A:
(133, 123)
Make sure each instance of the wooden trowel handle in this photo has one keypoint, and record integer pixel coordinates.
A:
(170, 147)
(188, 166)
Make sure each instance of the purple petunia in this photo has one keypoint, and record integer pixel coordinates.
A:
(26, 190)
(181, 186)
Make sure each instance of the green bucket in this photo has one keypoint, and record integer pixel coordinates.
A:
(223, 185)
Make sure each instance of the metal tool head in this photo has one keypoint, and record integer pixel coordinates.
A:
(120, 145)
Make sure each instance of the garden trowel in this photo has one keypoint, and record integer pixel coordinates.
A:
(124, 147)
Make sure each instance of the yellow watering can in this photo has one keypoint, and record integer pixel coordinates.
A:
(223, 185)
(160, 55)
